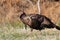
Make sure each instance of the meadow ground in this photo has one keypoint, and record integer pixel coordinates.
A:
(14, 32)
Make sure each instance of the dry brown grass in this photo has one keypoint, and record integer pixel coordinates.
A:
(9, 9)
(51, 10)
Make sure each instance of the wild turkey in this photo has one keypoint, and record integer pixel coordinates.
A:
(38, 22)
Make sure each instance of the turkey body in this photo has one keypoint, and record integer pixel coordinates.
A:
(38, 22)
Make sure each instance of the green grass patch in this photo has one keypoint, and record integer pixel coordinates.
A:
(16, 31)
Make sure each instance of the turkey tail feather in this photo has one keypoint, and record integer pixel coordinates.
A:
(57, 27)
